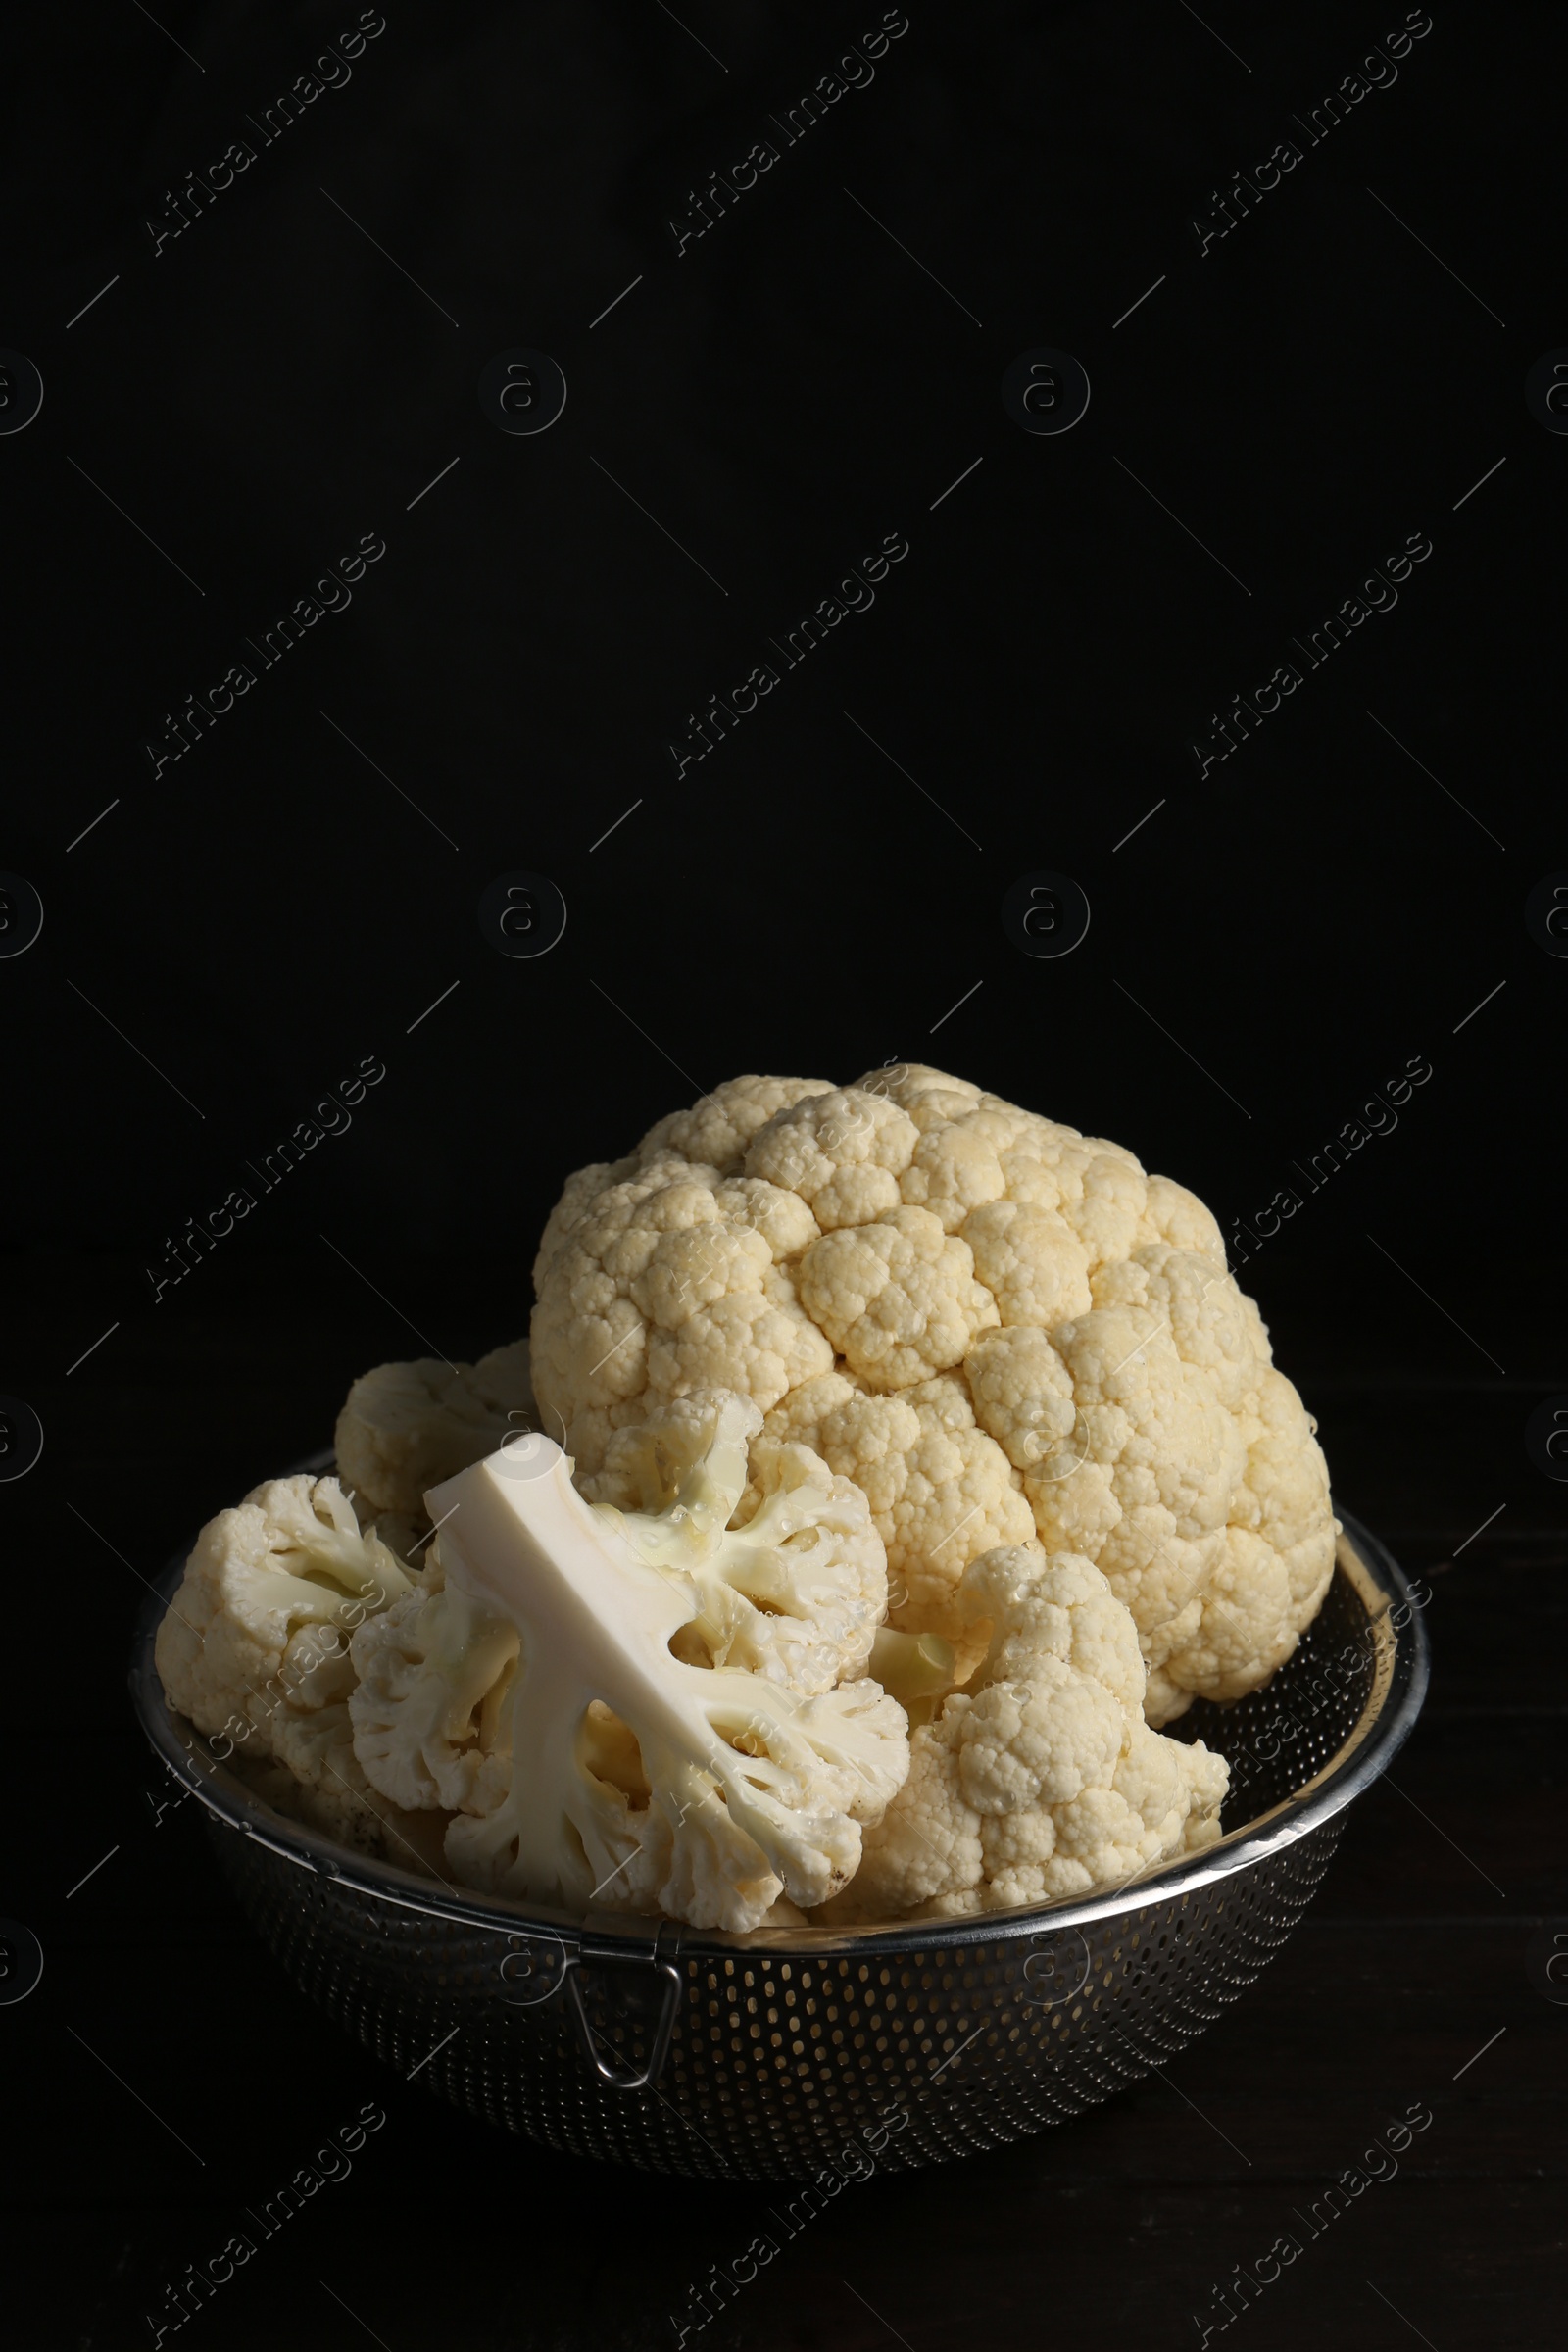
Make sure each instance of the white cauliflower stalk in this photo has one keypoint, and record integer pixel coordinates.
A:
(1001, 1329)
(1041, 1779)
(642, 1706)
(406, 1427)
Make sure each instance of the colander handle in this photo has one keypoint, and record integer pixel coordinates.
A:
(619, 2076)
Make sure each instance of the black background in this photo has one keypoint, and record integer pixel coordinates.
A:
(1278, 939)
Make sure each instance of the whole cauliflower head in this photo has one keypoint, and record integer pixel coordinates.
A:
(1000, 1329)
(629, 1700)
(1041, 1779)
(255, 1643)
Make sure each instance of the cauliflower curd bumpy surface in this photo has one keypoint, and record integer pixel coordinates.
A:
(1002, 1330)
(919, 1459)
(1040, 1779)
(254, 1649)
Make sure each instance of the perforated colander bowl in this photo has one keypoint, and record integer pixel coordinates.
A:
(766, 2056)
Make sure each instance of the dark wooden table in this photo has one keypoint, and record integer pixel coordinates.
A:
(163, 2075)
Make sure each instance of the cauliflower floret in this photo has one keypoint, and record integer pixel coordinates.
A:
(643, 1705)
(941, 1492)
(578, 1195)
(1244, 1627)
(1075, 1360)
(928, 1852)
(930, 1097)
(843, 1152)
(405, 1426)
(796, 1590)
(719, 1128)
(255, 1639)
(957, 1166)
(1285, 1495)
(1030, 1260)
(1165, 1379)
(432, 1672)
(898, 1298)
(1023, 1394)
(1211, 1323)
(1174, 1214)
(660, 1286)
(782, 1218)
(1041, 1779)
(759, 1343)
(316, 1778)
(697, 1264)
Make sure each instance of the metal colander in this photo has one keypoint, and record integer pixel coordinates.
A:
(766, 2056)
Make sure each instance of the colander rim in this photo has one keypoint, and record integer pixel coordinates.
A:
(1401, 1666)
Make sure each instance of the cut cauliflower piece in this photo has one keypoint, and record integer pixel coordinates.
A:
(256, 1640)
(796, 1592)
(574, 1691)
(316, 1778)
(917, 1668)
(328, 1789)
(995, 1325)
(1041, 1779)
(432, 1672)
(404, 1427)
